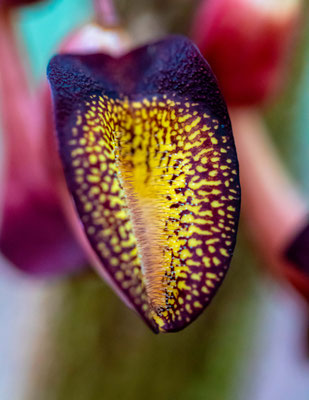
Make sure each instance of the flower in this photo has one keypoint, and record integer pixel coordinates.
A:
(247, 43)
(149, 158)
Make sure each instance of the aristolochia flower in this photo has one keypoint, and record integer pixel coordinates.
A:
(149, 158)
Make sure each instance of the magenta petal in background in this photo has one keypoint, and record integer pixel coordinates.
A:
(36, 239)
(34, 233)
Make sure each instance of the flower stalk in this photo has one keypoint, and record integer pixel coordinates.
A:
(105, 13)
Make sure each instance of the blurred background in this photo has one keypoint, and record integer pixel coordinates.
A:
(73, 339)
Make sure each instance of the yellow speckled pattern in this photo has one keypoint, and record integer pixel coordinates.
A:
(158, 196)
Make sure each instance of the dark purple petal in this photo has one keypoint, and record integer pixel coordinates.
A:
(298, 251)
(149, 158)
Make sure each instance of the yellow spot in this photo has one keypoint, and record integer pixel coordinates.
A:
(224, 252)
(211, 249)
(216, 261)
(182, 286)
(196, 277)
(88, 207)
(206, 262)
(216, 204)
(93, 159)
(93, 178)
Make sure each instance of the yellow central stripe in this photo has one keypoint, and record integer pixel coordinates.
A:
(154, 184)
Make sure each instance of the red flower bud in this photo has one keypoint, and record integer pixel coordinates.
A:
(247, 43)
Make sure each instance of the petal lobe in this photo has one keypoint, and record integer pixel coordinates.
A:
(154, 174)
